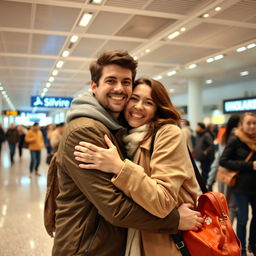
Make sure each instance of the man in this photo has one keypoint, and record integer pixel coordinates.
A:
(204, 149)
(56, 136)
(92, 214)
(12, 137)
(188, 133)
(34, 138)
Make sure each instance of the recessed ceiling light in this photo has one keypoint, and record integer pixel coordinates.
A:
(51, 79)
(135, 57)
(1, 88)
(85, 19)
(218, 57)
(73, 39)
(95, 1)
(171, 73)
(48, 85)
(147, 50)
(158, 77)
(244, 73)
(171, 90)
(45, 89)
(59, 64)
(217, 9)
(210, 60)
(250, 46)
(206, 15)
(191, 66)
(3, 92)
(65, 54)
(183, 29)
(173, 35)
(55, 72)
(209, 81)
(241, 49)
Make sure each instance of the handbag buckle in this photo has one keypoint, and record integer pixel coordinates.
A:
(180, 245)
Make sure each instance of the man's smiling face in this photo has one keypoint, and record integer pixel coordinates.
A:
(114, 88)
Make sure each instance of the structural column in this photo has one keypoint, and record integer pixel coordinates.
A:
(195, 106)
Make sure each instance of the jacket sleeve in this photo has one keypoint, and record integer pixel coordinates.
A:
(209, 144)
(230, 160)
(170, 166)
(30, 137)
(111, 203)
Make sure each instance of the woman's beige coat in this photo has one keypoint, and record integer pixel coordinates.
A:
(159, 184)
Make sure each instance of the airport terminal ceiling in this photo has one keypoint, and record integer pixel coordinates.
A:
(46, 51)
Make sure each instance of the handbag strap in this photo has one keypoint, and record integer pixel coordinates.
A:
(249, 156)
(177, 238)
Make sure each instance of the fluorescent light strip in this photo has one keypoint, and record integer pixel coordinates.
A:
(191, 66)
(173, 35)
(209, 81)
(51, 79)
(171, 73)
(85, 19)
(244, 73)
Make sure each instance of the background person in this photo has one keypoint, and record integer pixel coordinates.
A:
(34, 138)
(2, 137)
(160, 182)
(233, 158)
(228, 134)
(12, 137)
(204, 150)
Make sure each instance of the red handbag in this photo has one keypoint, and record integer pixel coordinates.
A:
(216, 237)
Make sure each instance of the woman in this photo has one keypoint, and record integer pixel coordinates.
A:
(232, 123)
(233, 157)
(160, 181)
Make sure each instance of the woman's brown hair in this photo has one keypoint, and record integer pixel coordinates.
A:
(166, 112)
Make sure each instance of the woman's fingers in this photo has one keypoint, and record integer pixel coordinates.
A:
(87, 166)
(89, 146)
(108, 141)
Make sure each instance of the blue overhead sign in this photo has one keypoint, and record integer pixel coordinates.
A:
(239, 105)
(51, 102)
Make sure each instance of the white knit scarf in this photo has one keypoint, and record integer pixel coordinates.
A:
(135, 136)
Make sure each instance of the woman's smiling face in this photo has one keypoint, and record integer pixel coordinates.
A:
(140, 108)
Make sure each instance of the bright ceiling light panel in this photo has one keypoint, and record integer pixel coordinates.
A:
(171, 73)
(55, 72)
(74, 39)
(244, 73)
(173, 35)
(191, 66)
(85, 19)
(59, 64)
(65, 54)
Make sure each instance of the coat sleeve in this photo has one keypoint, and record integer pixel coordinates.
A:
(170, 166)
(110, 202)
(229, 158)
(30, 137)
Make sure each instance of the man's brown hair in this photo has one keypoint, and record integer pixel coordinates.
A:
(120, 58)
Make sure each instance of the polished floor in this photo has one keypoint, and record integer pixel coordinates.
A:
(21, 208)
(22, 230)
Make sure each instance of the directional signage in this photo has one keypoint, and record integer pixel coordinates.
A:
(51, 102)
(239, 105)
(11, 112)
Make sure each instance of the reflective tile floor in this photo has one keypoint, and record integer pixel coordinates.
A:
(22, 230)
(21, 207)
